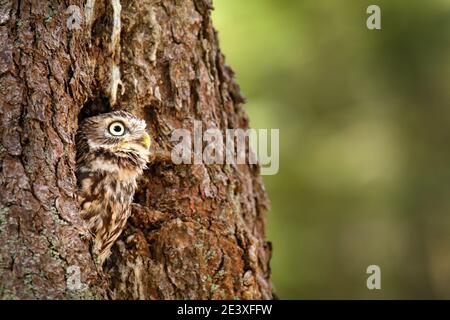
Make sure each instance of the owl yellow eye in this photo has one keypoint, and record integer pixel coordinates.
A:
(116, 128)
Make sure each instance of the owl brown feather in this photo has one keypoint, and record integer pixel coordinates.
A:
(112, 152)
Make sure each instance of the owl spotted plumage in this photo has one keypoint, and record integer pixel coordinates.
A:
(112, 152)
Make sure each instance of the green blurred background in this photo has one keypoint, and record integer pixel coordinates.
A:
(364, 119)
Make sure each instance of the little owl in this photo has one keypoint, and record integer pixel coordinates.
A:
(112, 152)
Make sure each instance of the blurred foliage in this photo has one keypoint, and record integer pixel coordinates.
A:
(364, 120)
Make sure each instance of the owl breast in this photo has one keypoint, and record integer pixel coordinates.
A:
(106, 192)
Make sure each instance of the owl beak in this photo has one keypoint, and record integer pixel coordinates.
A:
(145, 141)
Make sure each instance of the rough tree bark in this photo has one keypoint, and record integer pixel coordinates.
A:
(197, 231)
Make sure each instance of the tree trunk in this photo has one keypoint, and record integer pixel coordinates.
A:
(196, 231)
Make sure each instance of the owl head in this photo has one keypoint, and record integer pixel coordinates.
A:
(118, 132)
